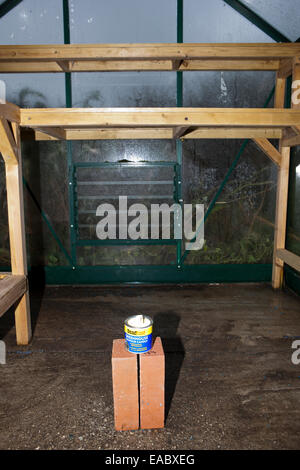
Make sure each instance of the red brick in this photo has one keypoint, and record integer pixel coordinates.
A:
(152, 387)
(125, 387)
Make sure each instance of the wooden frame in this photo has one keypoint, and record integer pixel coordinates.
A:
(163, 57)
(143, 123)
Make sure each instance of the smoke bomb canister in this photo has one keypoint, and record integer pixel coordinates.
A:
(138, 333)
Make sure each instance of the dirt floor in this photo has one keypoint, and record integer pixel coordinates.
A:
(230, 381)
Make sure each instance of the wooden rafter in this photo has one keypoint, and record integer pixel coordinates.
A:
(155, 51)
(111, 57)
(154, 133)
(109, 134)
(234, 133)
(159, 117)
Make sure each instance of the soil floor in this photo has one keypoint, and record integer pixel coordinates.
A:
(230, 379)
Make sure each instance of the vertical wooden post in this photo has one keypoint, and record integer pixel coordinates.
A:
(15, 204)
(282, 193)
(296, 76)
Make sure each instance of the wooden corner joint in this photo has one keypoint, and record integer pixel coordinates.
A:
(296, 60)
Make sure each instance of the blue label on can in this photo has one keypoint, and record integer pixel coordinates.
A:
(138, 343)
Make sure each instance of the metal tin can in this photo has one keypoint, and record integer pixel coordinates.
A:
(138, 333)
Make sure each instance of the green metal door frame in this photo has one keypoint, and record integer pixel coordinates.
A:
(179, 99)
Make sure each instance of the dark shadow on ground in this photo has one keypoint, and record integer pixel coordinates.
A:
(166, 326)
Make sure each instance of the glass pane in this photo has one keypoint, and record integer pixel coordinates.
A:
(240, 227)
(218, 22)
(122, 89)
(124, 150)
(227, 89)
(293, 229)
(126, 255)
(33, 22)
(284, 16)
(45, 170)
(35, 91)
(119, 21)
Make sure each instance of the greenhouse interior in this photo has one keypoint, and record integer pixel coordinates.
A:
(149, 225)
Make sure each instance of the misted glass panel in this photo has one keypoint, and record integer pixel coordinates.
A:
(45, 172)
(240, 226)
(215, 21)
(119, 21)
(126, 255)
(293, 228)
(284, 16)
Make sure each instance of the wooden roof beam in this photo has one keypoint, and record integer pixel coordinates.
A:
(171, 51)
(233, 133)
(137, 65)
(159, 117)
(109, 134)
(228, 65)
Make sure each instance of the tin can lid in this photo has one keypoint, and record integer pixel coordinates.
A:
(139, 321)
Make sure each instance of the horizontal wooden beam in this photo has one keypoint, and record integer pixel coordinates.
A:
(229, 65)
(12, 287)
(155, 133)
(159, 117)
(234, 133)
(110, 134)
(269, 150)
(289, 258)
(172, 51)
(85, 66)
(187, 65)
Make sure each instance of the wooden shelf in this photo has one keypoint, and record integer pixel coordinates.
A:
(12, 287)
(147, 57)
